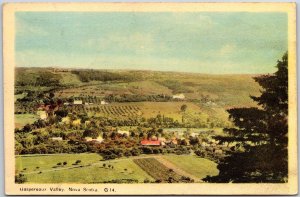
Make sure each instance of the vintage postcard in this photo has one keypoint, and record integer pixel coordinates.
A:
(150, 98)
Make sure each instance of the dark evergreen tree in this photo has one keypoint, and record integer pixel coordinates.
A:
(260, 154)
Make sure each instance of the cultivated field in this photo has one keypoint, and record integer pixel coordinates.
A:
(229, 90)
(194, 165)
(144, 109)
(93, 169)
(43, 169)
(157, 170)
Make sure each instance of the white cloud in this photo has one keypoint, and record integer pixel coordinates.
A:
(227, 49)
(24, 28)
(136, 43)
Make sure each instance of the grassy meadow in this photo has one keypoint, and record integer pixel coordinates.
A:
(22, 119)
(193, 164)
(137, 101)
(89, 170)
(44, 168)
(227, 90)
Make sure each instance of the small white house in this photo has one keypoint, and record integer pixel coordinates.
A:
(66, 103)
(194, 134)
(218, 152)
(65, 120)
(87, 122)
(99, 139)
(43, 115)
(123, 132)
(77, 102)
(179, 96)
(104, 103)
(88, 139)
(204, 144)
(57, 138)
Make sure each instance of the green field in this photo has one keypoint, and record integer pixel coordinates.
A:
(92, 170)
(44, 168)
(23, 119)
(195, 165)
(225, 90)
(150, 109)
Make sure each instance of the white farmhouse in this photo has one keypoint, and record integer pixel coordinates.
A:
(57, 138)
(179, 96)
(194, 134)
(99, 139)
(104, 103)
(123, 132)
(88, 139)
(77, 102)
(43, 115)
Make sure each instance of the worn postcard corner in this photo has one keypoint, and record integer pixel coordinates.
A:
(150, 98)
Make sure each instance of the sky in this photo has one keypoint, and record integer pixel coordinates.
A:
(198, 42)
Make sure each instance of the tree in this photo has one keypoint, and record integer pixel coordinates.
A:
(78, 161)
(91, 133)
(20, 178)
(183, 108)
(260, 134)
(62, 112)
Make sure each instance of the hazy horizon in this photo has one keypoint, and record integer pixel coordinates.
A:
(139, 70)
(205, 43)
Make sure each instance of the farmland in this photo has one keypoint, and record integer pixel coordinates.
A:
(156, 170)
(220, 88)
(93, 169)
(119, 126)
(89, 170)
(22, 119)
(192, 164)
(144, 109)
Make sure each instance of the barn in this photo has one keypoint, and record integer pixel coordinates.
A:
(77, 102)
(179, 96)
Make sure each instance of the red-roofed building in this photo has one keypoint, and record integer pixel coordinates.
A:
(150, 142)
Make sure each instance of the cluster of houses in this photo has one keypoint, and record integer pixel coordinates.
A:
(44, 110)
(159, 141)
(210, 145)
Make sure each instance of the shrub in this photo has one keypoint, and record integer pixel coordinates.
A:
(78, 161)
(20, 178)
